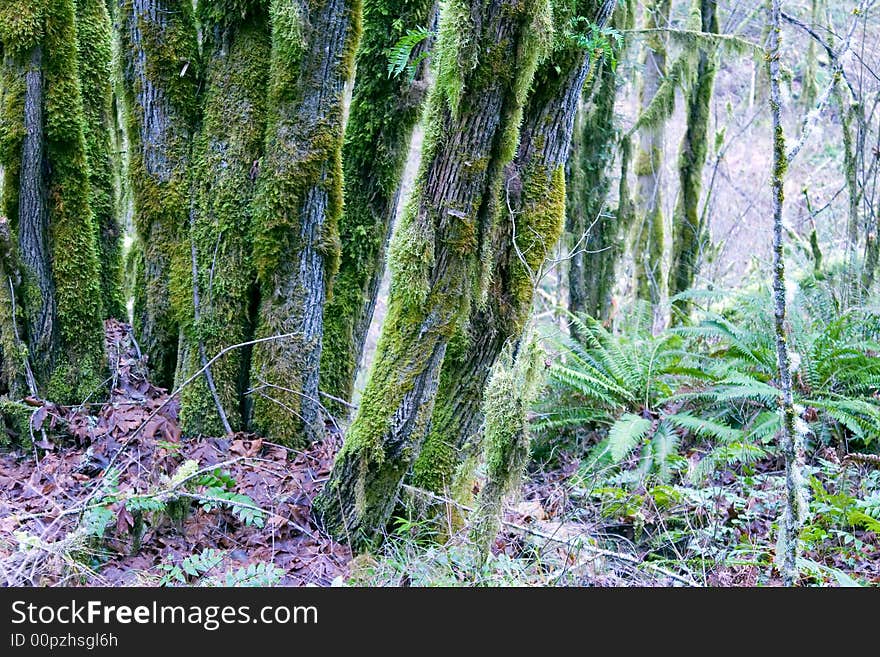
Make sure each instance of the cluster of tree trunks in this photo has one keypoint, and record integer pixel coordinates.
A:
(263, 211)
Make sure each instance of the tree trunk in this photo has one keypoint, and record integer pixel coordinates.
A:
(225, 172)
(688, 231)
(46, 191)
(33, 222)
(795, 504)
(486, 53)
(809, 90)
(595, 232)
(95, 50)
(299, 200)
(160, 78)
(520, 242)
(384, 111)
(648, 242)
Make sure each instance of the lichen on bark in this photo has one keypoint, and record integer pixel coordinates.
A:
(524, 232)
(649, 283)
(688, 229)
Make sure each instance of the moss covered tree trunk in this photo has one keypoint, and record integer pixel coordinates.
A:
(95, 49)
(299, 200)
(794, 507)
(159, 59)
(383, 113)
(522, 237)
(590, 226)
(487, 52)
(225, 163)
(595, 231)
(688, 231)
(46, 197)
(648, 280)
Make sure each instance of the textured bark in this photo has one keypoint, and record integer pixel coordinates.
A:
(487, 54)
(299, 200)
(383, 114)
(648, 280)
(46, 193)
(794, 508)
(33, 223)
(225, 172)
(521, 239)
(688, 231)
(159, 59)
(94, 37)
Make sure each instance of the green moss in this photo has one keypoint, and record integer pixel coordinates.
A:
(22, 25)
(160, 57)
(449, 215)
(382, 115)
(296, 210)
(594, 232)
(94, 34)
(509, 395)
(15, 424)
(225, 168)
(75, 367)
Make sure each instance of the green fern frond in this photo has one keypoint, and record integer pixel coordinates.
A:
(626, 434)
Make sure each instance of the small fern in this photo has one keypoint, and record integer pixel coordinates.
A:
(193, 566)
(255, 574)
(400, 57)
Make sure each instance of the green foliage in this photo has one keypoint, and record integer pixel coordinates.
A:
(260, 574)
(712, 386)
(193, 566)
(400, 54)
(242, 506)
(194, 571)
(602, 42)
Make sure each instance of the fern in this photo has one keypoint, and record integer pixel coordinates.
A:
(256, 574)
(705, 428)
(626, 434)
(193, 566)
(241, 506)
(400, 57)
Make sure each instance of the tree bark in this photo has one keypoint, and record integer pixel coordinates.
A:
(523, 236)
(226, 169)
(299, 200)
(160, 79)
(794, 507)
(383, 113)
(486, 53)
(94, 46)
(33, 222)
(688, 231)
(648, 280)
(46, 192)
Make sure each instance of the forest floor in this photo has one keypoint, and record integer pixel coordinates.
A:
(123, 500)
